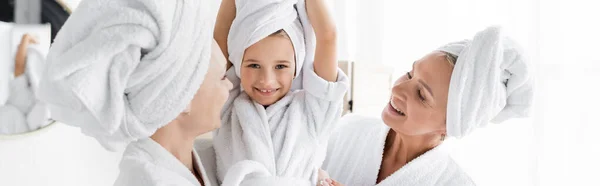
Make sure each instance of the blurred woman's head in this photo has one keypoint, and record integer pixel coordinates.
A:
(204, 111)
(419, 98)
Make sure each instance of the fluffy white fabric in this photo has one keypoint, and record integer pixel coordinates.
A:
(491, 81)
(146, 162)
(22, 112)
(120, 69)
(283, 143)
(355, 152)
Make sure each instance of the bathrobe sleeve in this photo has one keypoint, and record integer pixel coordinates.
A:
(324, 100)
(21, 95)
(12, 121)
(233, 93)
(23, 112)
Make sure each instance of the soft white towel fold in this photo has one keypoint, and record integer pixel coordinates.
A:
(36, 63)
(147, 163)
(23, 112)
(257, 19)
(261, 176)
(38, 117)
(491, 81)
(122, 69)
(12, 121)
(21, 95)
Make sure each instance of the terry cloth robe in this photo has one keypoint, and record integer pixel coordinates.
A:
(147, 163)
(284, 143)
(355, 152)
(22, 112)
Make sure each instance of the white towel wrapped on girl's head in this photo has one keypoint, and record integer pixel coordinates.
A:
(491, 81)
(257, 19)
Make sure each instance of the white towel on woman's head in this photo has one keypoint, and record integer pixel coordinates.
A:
(491, 81)
(122, 69)
(257, 19)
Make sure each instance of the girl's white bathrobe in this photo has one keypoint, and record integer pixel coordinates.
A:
(282, 144)
(147, 163)
(23, 112)
(355, 152)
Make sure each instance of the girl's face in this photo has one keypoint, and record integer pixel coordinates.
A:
(268, 69)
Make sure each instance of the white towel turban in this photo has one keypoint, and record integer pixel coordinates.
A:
(120, 70)
(257, 19)
(491, 82)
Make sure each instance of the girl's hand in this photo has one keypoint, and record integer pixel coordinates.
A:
(335, 183)
(325, 180)
(28, 39)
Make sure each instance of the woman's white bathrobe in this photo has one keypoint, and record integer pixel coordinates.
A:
(355, 152)
(285, 142)
(147, 163)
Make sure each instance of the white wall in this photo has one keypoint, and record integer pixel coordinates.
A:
(56, 155)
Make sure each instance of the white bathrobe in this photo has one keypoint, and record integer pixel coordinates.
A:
(22, 112)
(355, 152)
(285, 142)
(147, 163)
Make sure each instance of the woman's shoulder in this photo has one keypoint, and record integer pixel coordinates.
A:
(135, 172)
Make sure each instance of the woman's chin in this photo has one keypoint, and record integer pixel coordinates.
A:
(389, 118)
(385, 118)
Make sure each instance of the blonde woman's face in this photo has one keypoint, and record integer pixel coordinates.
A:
(419, 98)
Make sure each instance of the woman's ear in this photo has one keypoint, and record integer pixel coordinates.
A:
(187, 109)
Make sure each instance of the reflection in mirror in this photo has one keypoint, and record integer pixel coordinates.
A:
(23, 50)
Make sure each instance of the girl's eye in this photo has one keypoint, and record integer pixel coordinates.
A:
(280, 66)
(253, 66)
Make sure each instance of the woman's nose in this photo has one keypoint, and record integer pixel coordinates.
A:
(400, 91)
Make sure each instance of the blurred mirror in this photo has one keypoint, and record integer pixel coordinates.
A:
(27, 28)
